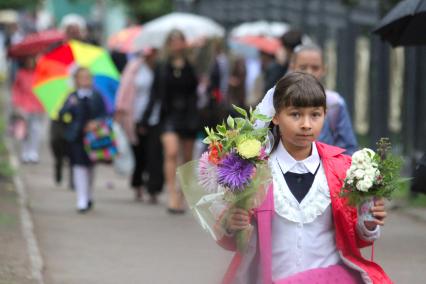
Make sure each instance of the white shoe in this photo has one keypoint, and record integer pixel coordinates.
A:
(33, 158)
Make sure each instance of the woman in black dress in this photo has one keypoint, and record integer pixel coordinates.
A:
(174, 88)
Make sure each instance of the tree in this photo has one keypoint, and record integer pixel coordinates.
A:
(19, 4)
(146, 10)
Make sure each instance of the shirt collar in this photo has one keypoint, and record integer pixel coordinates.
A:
(288, 163)
(84, 93)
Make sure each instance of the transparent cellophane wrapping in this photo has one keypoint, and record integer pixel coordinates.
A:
(211, 208)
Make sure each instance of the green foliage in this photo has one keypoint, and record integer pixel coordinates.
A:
(237, 129)
(146, 10)
(19, 4)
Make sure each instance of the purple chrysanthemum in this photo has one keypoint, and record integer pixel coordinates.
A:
(234, 172)
(207, 174)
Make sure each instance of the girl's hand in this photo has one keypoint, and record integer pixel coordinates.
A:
(90, 126)
(379, 212)
(238, 219)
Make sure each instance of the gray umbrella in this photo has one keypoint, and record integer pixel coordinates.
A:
(405, 24)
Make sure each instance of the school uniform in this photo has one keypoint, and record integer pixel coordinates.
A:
(81, 107)
(297, 233)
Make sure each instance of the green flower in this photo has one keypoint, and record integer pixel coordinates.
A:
(249, 148)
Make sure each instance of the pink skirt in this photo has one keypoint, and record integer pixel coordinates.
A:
(335, 274)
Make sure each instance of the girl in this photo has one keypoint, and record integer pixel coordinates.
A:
(306, 232)
(28, 106)
(174, 89)
(79, 112)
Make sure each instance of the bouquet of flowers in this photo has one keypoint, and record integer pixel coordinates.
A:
(233, 172)
(371, 174)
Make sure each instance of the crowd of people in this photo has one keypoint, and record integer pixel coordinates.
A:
(163, 102)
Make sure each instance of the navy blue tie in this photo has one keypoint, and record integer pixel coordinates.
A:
(299, 184)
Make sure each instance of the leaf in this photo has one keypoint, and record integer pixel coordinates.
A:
(206, 140)
(221, 129)
(240, 122)
(207, 130)
(262, 117)
(240, 110)
(230, 121)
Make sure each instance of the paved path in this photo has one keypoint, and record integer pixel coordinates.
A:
(123, 241)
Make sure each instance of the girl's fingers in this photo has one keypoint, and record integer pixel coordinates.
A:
(380, 215)
(379, 222)
(379, 202)
(378, 209)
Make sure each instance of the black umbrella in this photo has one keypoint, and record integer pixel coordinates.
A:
(405, 24)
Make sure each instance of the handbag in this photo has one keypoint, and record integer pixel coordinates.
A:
(124, 162)
(100, 143)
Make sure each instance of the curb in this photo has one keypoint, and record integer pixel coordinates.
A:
(36, 261)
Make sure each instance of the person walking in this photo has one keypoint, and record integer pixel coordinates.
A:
(74, 27)
(306, 233)
(175, 90)
(27, 105)
(132, 99)
(337, 128)
(79, 113)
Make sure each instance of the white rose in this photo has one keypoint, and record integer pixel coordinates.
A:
(368, 180)
(363, 185)
(368, 184)
(359, 173)
(357, 157)
(372, 173)
(370, 153)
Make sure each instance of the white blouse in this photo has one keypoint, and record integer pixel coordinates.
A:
(303, 235)
(143, 83)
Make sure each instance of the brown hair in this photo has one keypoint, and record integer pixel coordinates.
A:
(175, 33)
(80, 69)
(299, 89)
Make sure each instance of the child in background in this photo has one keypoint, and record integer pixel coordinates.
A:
(27, 106)
(306, 233)
(79, 112)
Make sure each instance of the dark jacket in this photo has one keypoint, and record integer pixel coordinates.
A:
(76, 113)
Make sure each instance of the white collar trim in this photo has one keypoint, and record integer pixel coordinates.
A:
(287, 162)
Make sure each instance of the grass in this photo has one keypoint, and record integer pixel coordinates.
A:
(6, 171)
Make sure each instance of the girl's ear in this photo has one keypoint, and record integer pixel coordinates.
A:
(275, 120)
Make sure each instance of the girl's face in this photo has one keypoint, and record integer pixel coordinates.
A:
(309, 61)
(83, 79)
(299, 126)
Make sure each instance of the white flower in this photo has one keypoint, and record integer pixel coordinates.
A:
(363, 156)
(364, 185)
(359, 173)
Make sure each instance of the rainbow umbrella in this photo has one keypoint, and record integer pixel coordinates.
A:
(53, 81)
